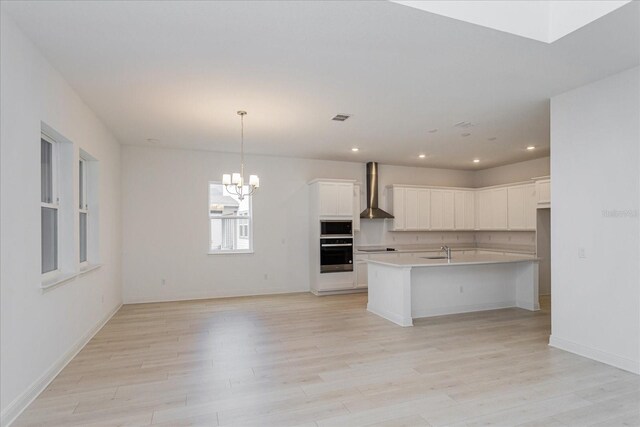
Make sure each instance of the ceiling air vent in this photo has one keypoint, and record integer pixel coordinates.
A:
(341, 117)
(464, 125)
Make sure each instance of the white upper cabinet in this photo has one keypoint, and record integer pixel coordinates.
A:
(397, 207)
(499, 199)
(345, 199)
(442, 210)
(492, 209)
(335, 199)
(411, 209)
(515, 196)
(464, 210)
(507, 207)
(356, 207)
(543, 192)
(424, 209)
(522, 207)
(484, 214)
(530, 206)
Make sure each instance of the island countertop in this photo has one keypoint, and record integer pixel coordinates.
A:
(456, 260)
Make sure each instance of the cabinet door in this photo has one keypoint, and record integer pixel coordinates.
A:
(356, 207)
(398, 208)
(543, 190)
(328, 201)
(411, 209)
(499, 209)
(530, 206)
(515, 208)
(448, 210)
(484, 221)
(469, 210)
(424, 209)
(344, 196)
(459, 204)
(362, 275)
(437, 209)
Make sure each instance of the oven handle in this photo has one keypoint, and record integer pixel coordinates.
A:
(332, 245)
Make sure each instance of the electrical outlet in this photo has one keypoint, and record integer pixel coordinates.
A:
(163, 282)
(581, 253)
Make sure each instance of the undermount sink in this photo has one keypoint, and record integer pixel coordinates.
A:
(434, 257)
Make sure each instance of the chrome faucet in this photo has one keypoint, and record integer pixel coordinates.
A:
(447, 249)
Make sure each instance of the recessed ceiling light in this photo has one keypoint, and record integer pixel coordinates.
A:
(466, 134)
(493, 138)
(355, 149)
(531, 147)
(341, 117)
(476, 160)
(433, 131)
(422, 156)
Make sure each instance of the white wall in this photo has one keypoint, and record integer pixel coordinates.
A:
(166, 223)
(41, 330)
(515, 172)
(595, 134)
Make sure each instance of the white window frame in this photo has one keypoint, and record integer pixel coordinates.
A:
(54, 204)
(83, 207)
(213, 216)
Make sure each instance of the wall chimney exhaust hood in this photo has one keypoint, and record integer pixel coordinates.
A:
(372, 211)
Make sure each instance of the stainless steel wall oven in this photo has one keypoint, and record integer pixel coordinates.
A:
(336, 246)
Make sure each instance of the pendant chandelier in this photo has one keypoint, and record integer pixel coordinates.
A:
(234, 183)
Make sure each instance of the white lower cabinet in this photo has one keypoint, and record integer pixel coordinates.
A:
(362, 277)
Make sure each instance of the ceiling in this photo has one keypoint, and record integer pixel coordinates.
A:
(178, 71)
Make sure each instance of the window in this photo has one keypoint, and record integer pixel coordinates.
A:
(83, 208)
(49, 204)
(230, 221)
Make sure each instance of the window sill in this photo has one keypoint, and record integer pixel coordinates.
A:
(87, 268)
(229, 252)
(57, 280)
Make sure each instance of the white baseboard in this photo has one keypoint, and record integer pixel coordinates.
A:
(193, 297)
(392, 317)
(342, 292)
(20, 403)
(595, 354)
(462, 309)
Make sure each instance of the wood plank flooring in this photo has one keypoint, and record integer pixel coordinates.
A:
(301, 360)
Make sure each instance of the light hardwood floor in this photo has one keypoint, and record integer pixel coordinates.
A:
(303, 360)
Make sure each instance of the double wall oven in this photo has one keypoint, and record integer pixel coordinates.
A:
(336, 246)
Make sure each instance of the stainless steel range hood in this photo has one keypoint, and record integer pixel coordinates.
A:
(372, 211)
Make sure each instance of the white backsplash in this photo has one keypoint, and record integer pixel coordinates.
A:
(376, 233)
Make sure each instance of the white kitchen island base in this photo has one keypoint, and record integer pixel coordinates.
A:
(405, 289)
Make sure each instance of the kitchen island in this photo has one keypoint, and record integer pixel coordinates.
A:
(406, 288)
